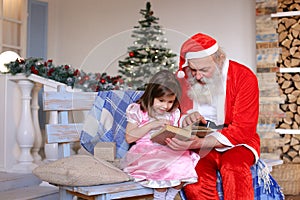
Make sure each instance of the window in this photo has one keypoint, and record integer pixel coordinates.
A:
(13, 26)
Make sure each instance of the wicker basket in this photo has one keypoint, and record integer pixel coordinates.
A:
(288, 177)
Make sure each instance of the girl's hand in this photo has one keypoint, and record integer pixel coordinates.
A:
(159, 123)
(180, 145)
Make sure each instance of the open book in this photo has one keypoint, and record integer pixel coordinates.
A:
(184, 134)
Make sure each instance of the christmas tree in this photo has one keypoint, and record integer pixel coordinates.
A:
(149, 54)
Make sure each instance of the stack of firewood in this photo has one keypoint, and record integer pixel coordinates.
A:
(289, 83)
(288, 5)
(290, 89)
(291, 148)
(288, 34)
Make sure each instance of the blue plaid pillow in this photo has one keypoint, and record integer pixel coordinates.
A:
(113, 103)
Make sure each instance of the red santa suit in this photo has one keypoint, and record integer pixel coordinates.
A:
(241, 107)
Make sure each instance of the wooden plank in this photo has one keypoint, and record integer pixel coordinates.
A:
(117, 195)
(287, 131)
(271, 163)
(31, 192)
(131, 193)
(285, 14)
(289, 70)
(60, 133)
(55, 101)
(109, 188)
(10, 181)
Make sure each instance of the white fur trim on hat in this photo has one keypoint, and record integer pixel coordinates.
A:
(201, 54)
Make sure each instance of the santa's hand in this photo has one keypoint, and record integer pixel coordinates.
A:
(192, 118)
(180, 145)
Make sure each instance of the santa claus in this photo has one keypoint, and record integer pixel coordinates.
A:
(226, 92)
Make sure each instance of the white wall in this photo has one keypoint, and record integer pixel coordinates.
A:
(94, 34)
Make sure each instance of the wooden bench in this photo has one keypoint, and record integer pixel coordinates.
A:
(66, 132)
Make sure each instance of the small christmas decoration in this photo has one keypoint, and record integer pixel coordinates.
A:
(94, 82)
(149, 54)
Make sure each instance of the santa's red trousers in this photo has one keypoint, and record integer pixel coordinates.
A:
(234, 166)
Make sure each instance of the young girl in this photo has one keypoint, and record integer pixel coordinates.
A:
(154, 165)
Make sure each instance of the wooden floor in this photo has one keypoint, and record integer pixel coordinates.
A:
(17, 186)
(7, 180)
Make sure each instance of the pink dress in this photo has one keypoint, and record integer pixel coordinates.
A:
(155, 165)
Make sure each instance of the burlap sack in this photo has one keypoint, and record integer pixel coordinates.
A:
(80, 170)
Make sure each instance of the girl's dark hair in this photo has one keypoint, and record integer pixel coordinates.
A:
(163, 83)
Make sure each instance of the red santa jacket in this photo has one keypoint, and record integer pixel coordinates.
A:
(241, 106)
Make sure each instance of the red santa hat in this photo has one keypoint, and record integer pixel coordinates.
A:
(198, 46)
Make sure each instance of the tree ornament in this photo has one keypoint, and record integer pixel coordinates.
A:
(102, 81)
(131, 54)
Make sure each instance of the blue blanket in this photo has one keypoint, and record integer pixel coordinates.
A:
(106, 122)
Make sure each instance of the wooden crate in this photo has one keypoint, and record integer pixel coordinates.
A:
(288, 177)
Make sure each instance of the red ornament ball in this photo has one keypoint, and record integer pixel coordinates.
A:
(131, 54)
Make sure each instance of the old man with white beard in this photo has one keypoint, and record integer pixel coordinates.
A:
(225, 92)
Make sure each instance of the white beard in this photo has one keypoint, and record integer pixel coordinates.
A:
(205, 93)
(200, 94)
(211, 95)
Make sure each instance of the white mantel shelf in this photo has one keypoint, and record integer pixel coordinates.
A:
(287, 131)
(285, 14)
(289, 70)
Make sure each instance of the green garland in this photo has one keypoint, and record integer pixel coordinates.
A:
(65, 74)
